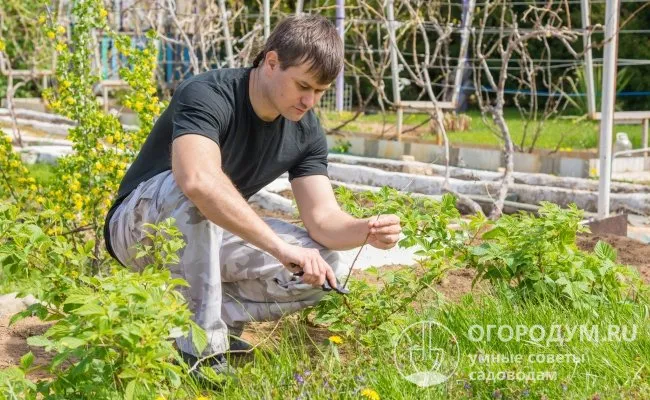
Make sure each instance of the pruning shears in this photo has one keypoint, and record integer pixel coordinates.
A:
(325, 286)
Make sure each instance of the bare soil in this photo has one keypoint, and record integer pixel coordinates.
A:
(13, 343)
(630, 251)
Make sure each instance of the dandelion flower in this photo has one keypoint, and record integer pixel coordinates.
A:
(336, 339)
(370, 394)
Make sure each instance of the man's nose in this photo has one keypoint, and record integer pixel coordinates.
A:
(308, 100)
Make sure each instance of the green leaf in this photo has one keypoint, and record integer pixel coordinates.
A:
(27, 360)
(129, 393)
(604, 251)
(72, 342)
(39, 341)
(90, 309)
(495, 233)
(199, 337)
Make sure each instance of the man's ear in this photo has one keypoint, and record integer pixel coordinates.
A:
(271, 60)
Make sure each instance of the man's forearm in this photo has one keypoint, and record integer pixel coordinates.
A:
(339, 231)
(220, 202)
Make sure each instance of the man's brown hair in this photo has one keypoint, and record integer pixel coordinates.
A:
(306, 39)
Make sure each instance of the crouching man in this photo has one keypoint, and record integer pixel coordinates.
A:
(226, 134)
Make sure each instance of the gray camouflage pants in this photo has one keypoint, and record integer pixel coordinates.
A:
(231, 282)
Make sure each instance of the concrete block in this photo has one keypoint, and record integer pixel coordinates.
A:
(390, 149)
(480, 158)
(44, 154)
(526, 162)
(576, 167)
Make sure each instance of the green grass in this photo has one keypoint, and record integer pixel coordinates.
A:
(609, 369)
(574, 134)
(43, 173)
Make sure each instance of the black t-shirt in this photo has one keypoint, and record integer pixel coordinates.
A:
(216, 104)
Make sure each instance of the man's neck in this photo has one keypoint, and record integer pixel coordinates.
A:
(261, 105)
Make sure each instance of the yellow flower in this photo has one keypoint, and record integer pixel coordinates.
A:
(103, 13)
(60, 47)
(64, 83)
(336, 339)
(137, 106)
(42, 19)
(51, 35)
(202, 398)
(33, 188)
(60, 29)
(2, 45)
(160, 398)
(109, 139)
(71, 100)
(127, 103)
(370, 394)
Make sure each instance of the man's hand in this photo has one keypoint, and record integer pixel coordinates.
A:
(316, 270)
(384, 231)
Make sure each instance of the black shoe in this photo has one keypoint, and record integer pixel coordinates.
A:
(239, 345)
(217, 363)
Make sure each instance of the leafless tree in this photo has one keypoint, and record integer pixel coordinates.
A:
(516, 29)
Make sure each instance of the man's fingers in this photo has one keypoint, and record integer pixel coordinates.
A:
(385, 220)
(331, 277)
(308, 277)
(384, 242)
(387, 230)
(323, 271)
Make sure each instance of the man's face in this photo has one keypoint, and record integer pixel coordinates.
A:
(293, 91)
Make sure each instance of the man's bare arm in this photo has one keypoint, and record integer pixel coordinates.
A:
(196, 165)
(334, 228)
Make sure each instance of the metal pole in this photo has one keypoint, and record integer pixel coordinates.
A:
(394, 66)
(267, 19)
(226, 33)
(299, 6)
(468, 9)
(340, 27)
(589, 63)
(607, 109)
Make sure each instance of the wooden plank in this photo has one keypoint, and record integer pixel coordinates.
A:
(426, 105)
(112, 83)
(627, 115)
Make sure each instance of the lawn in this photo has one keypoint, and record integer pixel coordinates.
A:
(570, 133)
(296, 363)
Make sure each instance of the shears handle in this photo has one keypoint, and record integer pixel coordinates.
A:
(325, 286)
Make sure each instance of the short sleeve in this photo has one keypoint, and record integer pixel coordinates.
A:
(315, 160)
(199, 109)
